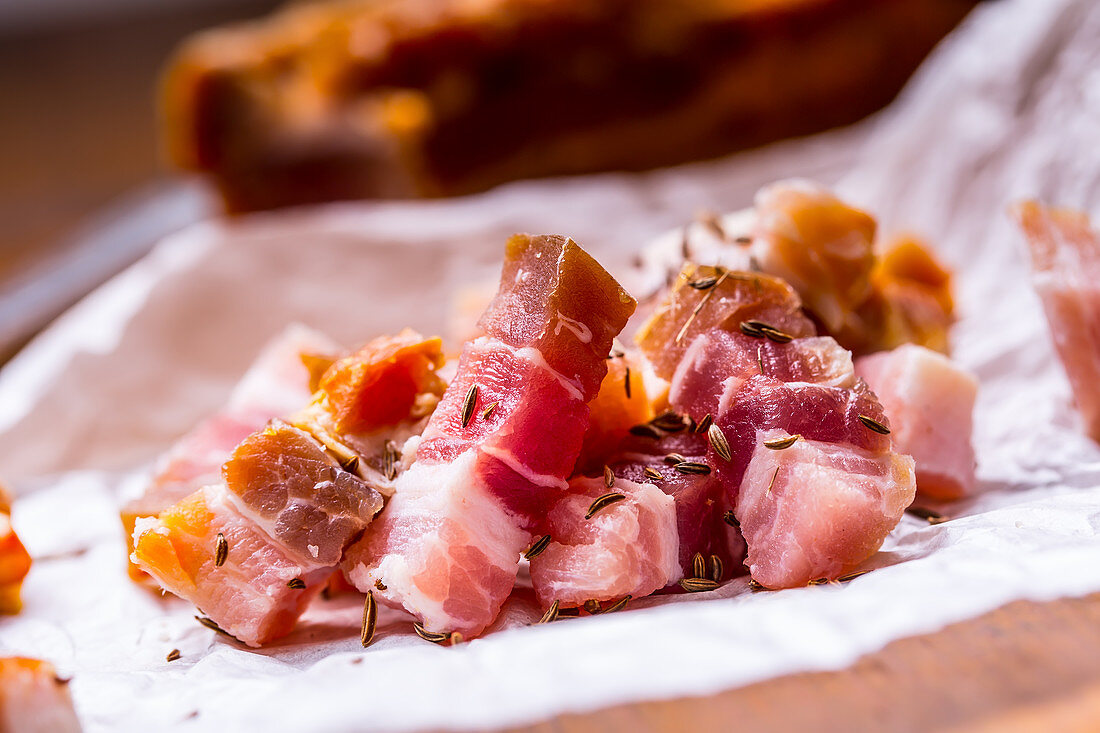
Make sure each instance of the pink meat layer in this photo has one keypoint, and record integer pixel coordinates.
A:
(815, 509)
(1065, 261)
(554, 297)
(248, 595)
(930, 402)
(628, 548)
(718, 361)
(528, 443)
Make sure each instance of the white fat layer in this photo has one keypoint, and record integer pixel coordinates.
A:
(451, 492)
(509, 460)
(533, 355)
(578, 329)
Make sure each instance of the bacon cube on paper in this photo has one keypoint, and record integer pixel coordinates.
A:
(276, 383)
(1065, 265)
(930, 403)
(767, 387)
(496, 453)
(254, 549)
(15, 561)
(34, 699)
(630, 547)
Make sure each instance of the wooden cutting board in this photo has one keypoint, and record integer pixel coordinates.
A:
(1024, 667)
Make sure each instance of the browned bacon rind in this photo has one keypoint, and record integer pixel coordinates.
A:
(690, 310)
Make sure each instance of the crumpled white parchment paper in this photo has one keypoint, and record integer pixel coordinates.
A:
(1008, 107)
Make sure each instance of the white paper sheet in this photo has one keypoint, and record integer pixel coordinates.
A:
(1009, 108)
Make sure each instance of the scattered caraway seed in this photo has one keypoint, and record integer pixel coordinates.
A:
(468, 405)
(874, 425)
(703, 283)
(370, 618)
(296, 584)
(930, 516)
(457, 638)
(743, 240)
(608, 476)
(537, 547)
(697, 585)
(781, 443)
(851, 576)
(673, 458)
(602, 503)
(819, 581)
(702, 302)
(698, 566)
(592, 606)
(718, 442)
(489, 410)
(626, 382)
(760, 358)
(730, 519)
(645, 431)
(774, 334)
(221, 550)
(569, 612)
(705, 423)
(351, 465)
(768, 491)
(755, 586)
(619, 604)
(213, 626)
(380, 585)
(693, 467)
(750, 330)
(435, 637)
(389, 461)
(717, 568)
(670, 422)
(652, 473)
(173, 655)
(551, 613)
(713, 222)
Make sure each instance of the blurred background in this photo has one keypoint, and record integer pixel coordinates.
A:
(339, 99)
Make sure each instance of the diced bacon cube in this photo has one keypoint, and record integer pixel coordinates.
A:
(15, 561)
(248, 596)
(34, 699)
(630, 547)
(930, 403)
(814, 509)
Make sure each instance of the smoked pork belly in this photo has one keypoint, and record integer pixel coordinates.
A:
(254, 549)
(15, 561)
(870, 293)
(755, 379)
(691, 522)
(34, 699)
(1065, 264)
(497, 451)
(277, 383)
(930, 403)
(628, 548)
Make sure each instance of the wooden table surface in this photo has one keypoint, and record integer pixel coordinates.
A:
(77, 130)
